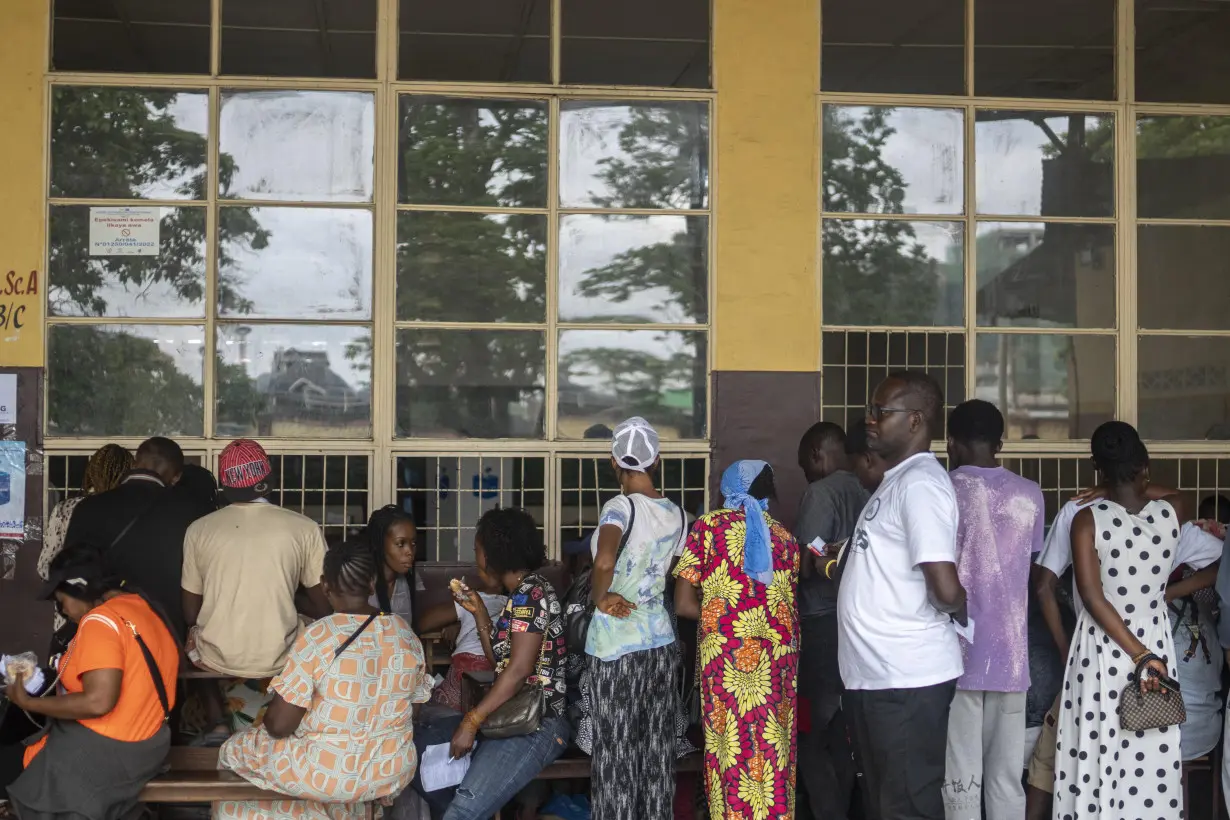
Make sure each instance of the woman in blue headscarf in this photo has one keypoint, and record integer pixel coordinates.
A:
(741, 570)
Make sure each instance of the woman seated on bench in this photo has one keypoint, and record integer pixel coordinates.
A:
(468, 655)
(526, 645)
(340, 728)
(107, 734)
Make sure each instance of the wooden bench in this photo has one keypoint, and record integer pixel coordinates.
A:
(194, 778)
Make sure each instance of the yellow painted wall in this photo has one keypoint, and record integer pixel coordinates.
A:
(767, 73)
(22, 60)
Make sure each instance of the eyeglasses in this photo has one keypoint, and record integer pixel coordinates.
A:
(877, 412)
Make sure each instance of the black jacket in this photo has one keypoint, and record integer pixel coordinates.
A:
(150, 555)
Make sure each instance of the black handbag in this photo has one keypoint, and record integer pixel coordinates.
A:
(519, 715)
(1139, 711)
(579, 600)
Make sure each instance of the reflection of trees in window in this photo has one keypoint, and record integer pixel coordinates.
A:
(875, 272)
(117, 143)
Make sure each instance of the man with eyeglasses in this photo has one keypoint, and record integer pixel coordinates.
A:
(897, 602)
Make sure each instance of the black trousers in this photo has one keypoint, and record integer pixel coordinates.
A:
(902, 739)
(826, 762)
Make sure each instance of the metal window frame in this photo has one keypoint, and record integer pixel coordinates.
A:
(382, 448)
(1125, 109)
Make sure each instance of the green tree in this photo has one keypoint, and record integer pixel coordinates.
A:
(119, 143)
(876, 272)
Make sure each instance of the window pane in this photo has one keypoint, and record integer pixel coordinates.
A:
(83, 280)
(636, 42)
(475, 41)
(454, 151)
(466, 267)
(1055, 49)
(1183, 276)
(854, 362)
(1182, 167)
(1031, 163)
(634, 269)
(294, 381)
(1183, 385)
(893, 272)
(295, 263)
(605, 376)
(642, 155)
(128, 143)
(136, 36)
(297, 145)
(299, 38)
(1181, 53)
(893, 46)
(125, 380)
(1032, 274)
(893, 160)
(1049, 387)
(471, 383)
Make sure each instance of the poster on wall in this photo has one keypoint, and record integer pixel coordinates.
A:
(8, 398)
(13, 489)
(124, 231)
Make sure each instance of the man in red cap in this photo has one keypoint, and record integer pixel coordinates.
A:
(243, 566)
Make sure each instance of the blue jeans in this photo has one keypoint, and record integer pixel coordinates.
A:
(498, 768)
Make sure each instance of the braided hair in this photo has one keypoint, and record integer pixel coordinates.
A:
(350, 568)
(374, 534)
(1118, 453)
(106, 468)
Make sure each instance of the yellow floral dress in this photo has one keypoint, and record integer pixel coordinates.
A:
(749, 639)
(355, 745)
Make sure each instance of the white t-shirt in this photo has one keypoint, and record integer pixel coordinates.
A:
(1196, 548)
(468, 642)
(890, 635)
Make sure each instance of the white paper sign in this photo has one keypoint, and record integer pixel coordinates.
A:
(12, 489)
(124, 231)
(8, 398)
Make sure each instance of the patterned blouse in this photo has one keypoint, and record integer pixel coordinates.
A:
(534, 607)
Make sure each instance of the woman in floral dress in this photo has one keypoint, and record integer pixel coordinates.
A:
(742, 569)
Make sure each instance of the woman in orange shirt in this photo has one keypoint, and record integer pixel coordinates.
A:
(106, 736)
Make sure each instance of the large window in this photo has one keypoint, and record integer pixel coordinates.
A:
(382, 237)
(1032, 208)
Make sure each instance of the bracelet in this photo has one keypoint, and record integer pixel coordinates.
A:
(828, 568)
(1140, 656)
(473, 720)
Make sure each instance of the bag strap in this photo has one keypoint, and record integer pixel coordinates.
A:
(623, 541)
(354, 635)
(130, 524)
(683, 526)
(159, 686)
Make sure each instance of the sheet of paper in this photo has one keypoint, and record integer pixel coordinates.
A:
(8, 398)
(966, 632)
(439, 771)
(13, 489)
(817, 545)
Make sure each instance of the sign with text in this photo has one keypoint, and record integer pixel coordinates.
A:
(124, 231)
(13, 489)
(8, 398)
(21, 322)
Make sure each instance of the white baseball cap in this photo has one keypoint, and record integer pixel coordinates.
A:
(636, 445)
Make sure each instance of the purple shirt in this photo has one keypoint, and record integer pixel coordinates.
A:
(1000, 528)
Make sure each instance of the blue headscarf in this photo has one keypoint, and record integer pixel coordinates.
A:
(758, 543)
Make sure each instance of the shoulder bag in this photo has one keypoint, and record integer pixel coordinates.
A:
(522, 713)
(579, 601)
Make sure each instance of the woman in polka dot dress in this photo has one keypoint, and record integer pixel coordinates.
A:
(1123, 551)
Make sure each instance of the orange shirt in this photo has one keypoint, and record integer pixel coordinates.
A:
(103, 641)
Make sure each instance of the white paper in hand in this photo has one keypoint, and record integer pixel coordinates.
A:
(966, 632)
(439, 771)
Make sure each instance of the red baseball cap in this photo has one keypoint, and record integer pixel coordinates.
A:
(243, 464)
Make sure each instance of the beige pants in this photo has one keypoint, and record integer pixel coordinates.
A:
(983, 762)
(1042, 764)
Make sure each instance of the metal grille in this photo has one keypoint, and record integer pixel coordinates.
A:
(332, 490)
(587, 482)
(855, 361)
(448, 493)
(1204, 483)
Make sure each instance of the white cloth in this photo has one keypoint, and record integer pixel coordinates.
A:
(468, 642)
(1102, 771)
(1198, 655)
(890, 635)
(1056, 554)
(986, 731)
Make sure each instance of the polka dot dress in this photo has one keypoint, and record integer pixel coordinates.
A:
(1102, 771)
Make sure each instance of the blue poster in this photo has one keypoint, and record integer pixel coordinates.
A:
(13, 489)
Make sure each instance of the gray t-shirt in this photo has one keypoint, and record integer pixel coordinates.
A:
(829, 511)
